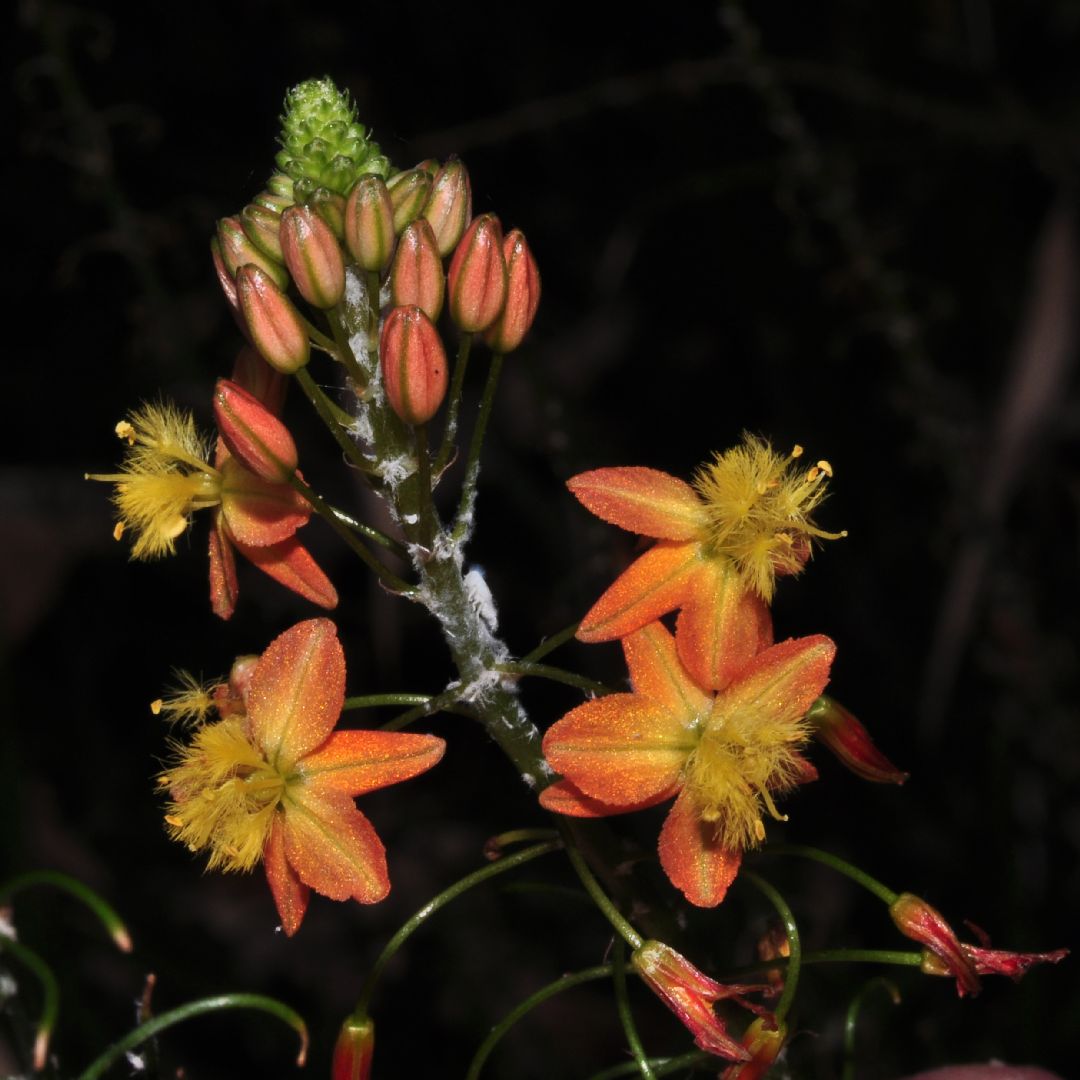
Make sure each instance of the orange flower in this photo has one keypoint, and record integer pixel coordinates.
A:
(724, 755)
(721, 544)
(272, 780)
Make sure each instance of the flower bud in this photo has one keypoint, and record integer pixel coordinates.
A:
(522, 296)
(225, 279)
(416, 275)
(313, 257)
(409, 193)
(917, 920)
(330, 206)
(842, 733)
(261, 228)
(413, 365)
(274, 203)
(280, 184)
(449, 206)
(276, 327)
(763, 1040)
(253, 434)
(237, 250)
(257, 377)
(354, 1050)
(369, 223)
(476, 279)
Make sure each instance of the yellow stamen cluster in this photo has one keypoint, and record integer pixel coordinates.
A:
(223, 795)
(164, 477)
(744, 756)
(188, 702)
(758, 505)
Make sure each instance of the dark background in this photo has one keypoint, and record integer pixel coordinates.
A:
(845, 224)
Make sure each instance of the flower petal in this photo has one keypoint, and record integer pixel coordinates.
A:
(620, 749)
(693, 860)
(781, 683)
(657, 674)
(723, 625)
(291, 564)
(290, 894)
(333, 848)
(563, 798)
(258, 512)
(658, 582)
(641, 500)
(355, 762)
(223, 586)
(297, 690)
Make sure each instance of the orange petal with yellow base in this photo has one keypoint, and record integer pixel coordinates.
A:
(297, 691)
(658, 582)
(564, 798)
(257, 512)
(291, 564)
(224, 588)
(333, 848)
(620, 749)
(290, 894)
(657, 674)
(356, 762)
(722, 626)
(696, 864)
(640, 500)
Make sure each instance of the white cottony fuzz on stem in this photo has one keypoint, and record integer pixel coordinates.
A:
(8, 987)
(446, 548)
(480, 597)
(529, 779)
(410, 519)
(136, 1062)
(361, 429)
(395, 471)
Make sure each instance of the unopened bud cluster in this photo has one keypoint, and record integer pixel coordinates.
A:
(335, 205)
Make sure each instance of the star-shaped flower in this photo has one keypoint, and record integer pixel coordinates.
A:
(724, 755)
(720, 545)
(272, 780)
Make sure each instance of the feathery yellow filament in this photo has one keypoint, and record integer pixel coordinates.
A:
(188, 702)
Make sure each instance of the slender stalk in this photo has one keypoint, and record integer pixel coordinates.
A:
(106, 915)
(883, 892)
(893, 957)
(477, 877)
(444, 702)
(794, 959)
(50, 996)
(551, 644)
(626, 1015)
(566, 982)
(429, 521)
(326, 410)
(659, 1065)
(372, 534)
(343, 352)
(852, 1019)
(497, 845)
(375, 701)
(463, 519)
(457, 382)
(545, 671)
(592, 887)
(197, 1008)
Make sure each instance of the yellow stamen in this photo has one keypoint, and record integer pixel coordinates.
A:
(188, 701)
(124, 430)
(118, 530)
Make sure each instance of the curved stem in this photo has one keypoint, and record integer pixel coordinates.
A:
(852, 1019)
(545, 671)
(463, 519)
(566, 982)
(326, 410)
(497, 845)
(106, 915)
(477, 877)
(374, 701)
(592, 887)
(660, 1066)
(196, 1008)
(447, 701)
(551, 644)
(50, 995)
(794, 959)
(457, 382)
(372, 534)
(893, 957)
(883, 892)
(626, 1016)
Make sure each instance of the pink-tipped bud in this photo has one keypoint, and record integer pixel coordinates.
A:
(416, 275)
(330, 206)
(846, 737)
(369, 223)
(413, 365)
(476, 279)
(225, 279)
(917, 920)
(257, 377)
(237, 250)
(253, 434)
(261, 226)
(522, 295)
(353, 1051)
(409, 193)
(449, 206)
(763, 1040)
(313, 257)
(276, 327)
